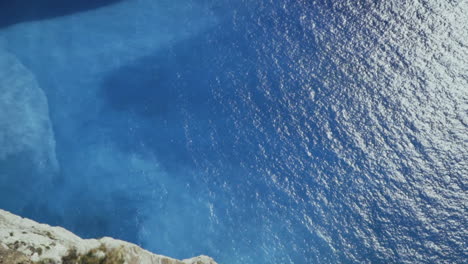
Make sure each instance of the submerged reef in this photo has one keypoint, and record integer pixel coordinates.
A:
(26, 133)
(23, 241)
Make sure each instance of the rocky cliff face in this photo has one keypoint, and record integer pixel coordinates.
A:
(23, 241)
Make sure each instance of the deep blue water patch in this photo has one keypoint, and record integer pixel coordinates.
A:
(13, 12)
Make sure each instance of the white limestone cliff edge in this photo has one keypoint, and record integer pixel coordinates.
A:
(27, 241)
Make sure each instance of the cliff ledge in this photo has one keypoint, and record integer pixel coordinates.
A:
(23, 241)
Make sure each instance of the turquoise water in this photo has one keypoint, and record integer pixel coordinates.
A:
(250, 131)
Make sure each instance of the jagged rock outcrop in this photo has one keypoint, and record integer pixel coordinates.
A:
(23, 241)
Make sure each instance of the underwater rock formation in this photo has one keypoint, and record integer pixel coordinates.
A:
(28, 162)
(25, 127)
(28, 242)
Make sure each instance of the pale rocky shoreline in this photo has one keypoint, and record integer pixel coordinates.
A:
(24, 241)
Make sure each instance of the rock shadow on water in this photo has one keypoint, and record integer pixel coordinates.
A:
(174, 84)
(157, 86)
(18, 11)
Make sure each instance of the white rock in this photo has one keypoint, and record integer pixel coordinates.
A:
(42, 242)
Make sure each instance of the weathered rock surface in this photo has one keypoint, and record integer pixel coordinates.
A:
(28, 242)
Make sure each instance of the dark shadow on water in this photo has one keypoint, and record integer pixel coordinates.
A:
(158, 85)
(18, 11)
(176, 83)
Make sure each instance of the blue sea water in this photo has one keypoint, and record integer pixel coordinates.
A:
(250, 131)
